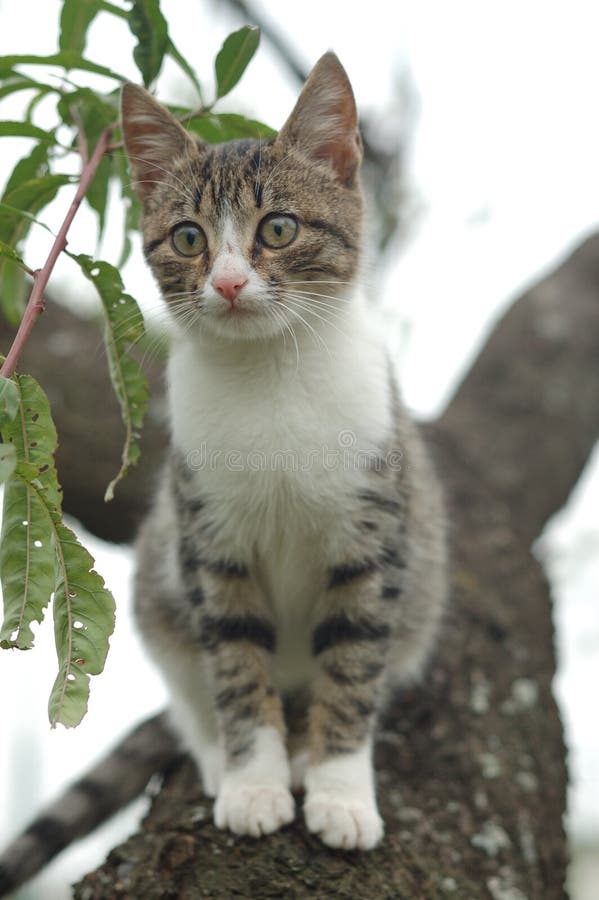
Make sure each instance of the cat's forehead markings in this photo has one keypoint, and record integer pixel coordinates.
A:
(229, 236)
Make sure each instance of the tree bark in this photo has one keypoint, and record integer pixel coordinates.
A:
(471, 765)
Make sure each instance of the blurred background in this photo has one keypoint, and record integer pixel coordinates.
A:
(483, 118)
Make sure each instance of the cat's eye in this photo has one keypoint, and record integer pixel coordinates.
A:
(277, 231)
(188, 239)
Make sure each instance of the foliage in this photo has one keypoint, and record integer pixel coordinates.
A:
(41, 561)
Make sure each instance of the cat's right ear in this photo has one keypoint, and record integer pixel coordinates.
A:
(153, 138)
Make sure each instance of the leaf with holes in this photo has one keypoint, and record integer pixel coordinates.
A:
(83, 623)
(124, 328)
(149, 27)
(8, 461)
(233, 58)
(40, 557)
(31, 496)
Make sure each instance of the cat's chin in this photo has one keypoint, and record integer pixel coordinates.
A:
(242, 325)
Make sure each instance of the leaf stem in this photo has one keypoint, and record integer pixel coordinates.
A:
(36, 305)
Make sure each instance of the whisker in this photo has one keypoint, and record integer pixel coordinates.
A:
(317, 337)
(310, 310)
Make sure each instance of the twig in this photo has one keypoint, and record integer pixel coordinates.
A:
(35, 305)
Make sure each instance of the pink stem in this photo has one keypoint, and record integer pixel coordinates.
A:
(35, 304)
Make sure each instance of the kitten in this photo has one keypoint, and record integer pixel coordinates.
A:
(292, 570)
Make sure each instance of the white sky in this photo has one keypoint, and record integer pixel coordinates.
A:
(504, 171)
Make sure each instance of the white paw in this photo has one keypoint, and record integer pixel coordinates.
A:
(254, 809)
(342, 821)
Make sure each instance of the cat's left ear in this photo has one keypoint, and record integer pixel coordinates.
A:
(324, 121)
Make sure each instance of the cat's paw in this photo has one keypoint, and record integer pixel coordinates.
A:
(343, 821)
(254, 809)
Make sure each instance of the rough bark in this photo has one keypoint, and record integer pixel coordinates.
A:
(471, 766)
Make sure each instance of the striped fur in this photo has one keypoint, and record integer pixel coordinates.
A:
(269, 579)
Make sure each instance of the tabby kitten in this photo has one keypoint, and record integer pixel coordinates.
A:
(291, 572)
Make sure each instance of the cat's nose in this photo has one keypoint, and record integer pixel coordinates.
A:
(229, 286)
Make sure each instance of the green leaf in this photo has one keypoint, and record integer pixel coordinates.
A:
(66, 59)
(13, 211)
(31, 195)
(234, 56)
(33, 166)
(16, 82)
(217, 129)
(92, 112)
(124, 328)
(149, 27)
(9, 400)
(31, 498)
(75, 19)
(8, 253)
(130, 206)
(8, 461)
(12, 291)
(40, 557)
(83, 622)
(97, 192)
(25, 129)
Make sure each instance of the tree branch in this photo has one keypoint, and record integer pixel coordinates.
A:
(527, 415)
(35, 305)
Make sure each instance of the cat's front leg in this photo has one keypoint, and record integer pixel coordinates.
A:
(350, 644)
(253, 796)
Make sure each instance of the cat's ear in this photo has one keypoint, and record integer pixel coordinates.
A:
(324, 121)
(153, 138)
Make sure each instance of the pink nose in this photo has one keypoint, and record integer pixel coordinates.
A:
(229, 286)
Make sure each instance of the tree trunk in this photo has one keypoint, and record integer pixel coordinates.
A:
(471, 770)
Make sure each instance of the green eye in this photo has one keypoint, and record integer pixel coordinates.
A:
(188, 239)
(277, 231)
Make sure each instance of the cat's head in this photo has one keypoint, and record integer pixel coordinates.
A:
(250, 239)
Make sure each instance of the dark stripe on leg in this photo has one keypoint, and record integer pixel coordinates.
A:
(340, 629)
(390, 592)
(368, 672)
(230, 695)
(218, 629)
(340, 575)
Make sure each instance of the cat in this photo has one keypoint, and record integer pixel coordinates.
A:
(294, 582)
(292, 571)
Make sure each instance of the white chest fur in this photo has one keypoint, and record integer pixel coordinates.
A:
(273, 434)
